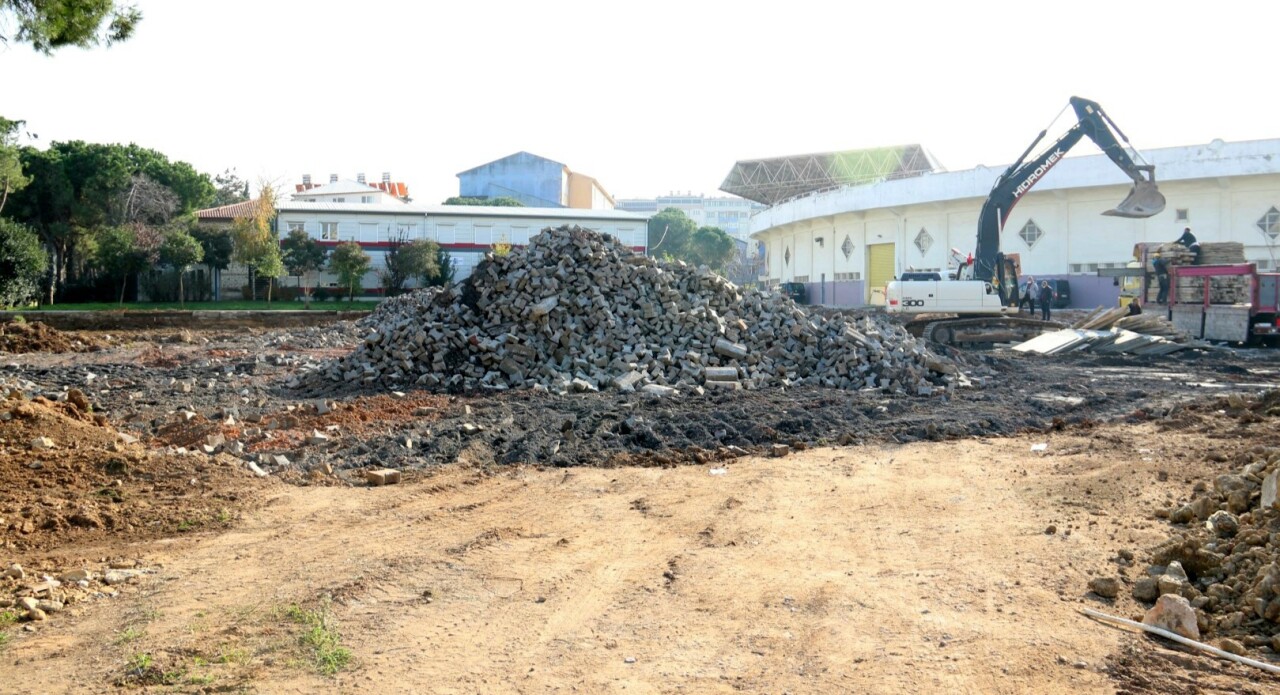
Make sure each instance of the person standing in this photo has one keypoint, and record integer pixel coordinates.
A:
(1046, 298)
(1028, 296)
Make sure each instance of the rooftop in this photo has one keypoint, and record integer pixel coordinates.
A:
(775, 179)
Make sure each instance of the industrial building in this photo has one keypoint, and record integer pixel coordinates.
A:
(730, 213)
(845, 224)
(536, 182)
(465, 231)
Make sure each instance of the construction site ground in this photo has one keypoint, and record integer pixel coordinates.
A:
(603, 542)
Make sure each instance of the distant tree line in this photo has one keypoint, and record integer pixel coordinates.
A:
(672, 235)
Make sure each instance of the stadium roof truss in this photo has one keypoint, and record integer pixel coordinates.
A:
(771, 181)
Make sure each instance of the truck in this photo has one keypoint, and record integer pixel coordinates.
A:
(980, 307)
(1233, 303)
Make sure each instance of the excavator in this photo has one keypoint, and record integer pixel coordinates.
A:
(980, 307)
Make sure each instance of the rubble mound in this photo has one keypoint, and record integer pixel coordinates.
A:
(578, 311)
(18, 337)
(1226, 559)
(400, 308)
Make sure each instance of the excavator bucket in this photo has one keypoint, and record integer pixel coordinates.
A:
(1144, 200)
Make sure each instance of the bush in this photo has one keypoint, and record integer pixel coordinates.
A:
(162, 286)
(319, 294)
(22, 263)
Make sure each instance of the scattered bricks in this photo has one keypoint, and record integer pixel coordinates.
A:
(280, 460)
(628, 381)
(723, 385)
(658, 390)
(317, 438)
(384, 476)
(469, 429)
(778, 450)
(544, 307)
(422, 412)
(257, 470)
(42, 443)
(720, 373)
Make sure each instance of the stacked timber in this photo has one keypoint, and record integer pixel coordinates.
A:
(576, 311)
(1190, 290)
(1147, 324)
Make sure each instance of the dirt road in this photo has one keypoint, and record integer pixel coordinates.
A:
(916, 568)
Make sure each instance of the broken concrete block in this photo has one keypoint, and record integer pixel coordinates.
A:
(779, 450)
(723, 385)
(628, 381)
(384, 476)
(257, 470)
(42, 443)
(1175, 614)
(1269, 491)
(729, 349)
(658, 390)
(720, 373)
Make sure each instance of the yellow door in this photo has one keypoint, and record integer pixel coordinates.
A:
(879, 271)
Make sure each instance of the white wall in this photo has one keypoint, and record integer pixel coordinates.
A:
(1076, 237)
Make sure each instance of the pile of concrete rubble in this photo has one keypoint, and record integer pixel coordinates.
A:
(1226, 560)
(577, 311)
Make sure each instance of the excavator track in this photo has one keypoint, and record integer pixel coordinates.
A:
(980, 332)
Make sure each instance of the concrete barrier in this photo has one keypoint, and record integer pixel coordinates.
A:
(121, 320)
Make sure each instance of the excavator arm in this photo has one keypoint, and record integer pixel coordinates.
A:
(1144, 198)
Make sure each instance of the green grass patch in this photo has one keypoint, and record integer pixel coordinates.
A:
(321, 637)
(238, 305)
(128, 634)
(8, 618)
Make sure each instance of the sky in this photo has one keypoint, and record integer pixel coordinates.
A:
(648, 97)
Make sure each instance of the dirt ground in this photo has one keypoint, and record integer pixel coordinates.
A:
(909, 560)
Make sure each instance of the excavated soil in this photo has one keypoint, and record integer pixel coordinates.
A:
(20, 337)
(91, 487)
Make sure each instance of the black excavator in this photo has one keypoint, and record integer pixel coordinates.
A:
(984, 296)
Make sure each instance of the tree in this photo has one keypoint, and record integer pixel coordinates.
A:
(254, 238)
(408, 260)
(303, 256)
(443, 276)
(271, 266)
(79, 189)
(11, 177)
(500, 201)
(231, 188)
(52, 24)
(670, 232)
(181, 251)
(22, 263)
(351, 263)
(421, 259)
(216, 242)
(712, 247)
(120, 254)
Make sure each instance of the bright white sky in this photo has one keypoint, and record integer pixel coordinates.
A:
(648, 97)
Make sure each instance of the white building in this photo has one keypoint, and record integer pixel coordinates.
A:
(730, 213)
(465, 231)
(847, 243)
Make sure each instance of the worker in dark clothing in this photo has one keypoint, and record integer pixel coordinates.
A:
(1046, 296)
(1028, 296)
(1189, 240)
(1162, 277)
(1134, 308)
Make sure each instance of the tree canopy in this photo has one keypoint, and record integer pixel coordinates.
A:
(351, 263)
(11, 176)
(499, 202)
(52, 24)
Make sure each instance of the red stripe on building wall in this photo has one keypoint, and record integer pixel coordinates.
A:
(446, 247)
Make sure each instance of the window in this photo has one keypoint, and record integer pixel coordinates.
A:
(848, 276)
(800, 278)
(519, 235)
(1270, 223)
(846, 248)
(339, 200)
(329, 231)
(923, 241)
(1031, 233)
(296, 226)
(1181, 215)
(366, 199)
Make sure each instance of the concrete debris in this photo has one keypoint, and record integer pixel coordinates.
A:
(1113, 341)
(576, 311)
(385, 476)
(1175, 614)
